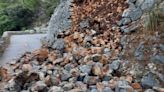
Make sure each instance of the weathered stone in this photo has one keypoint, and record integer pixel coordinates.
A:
(82, 86)
(94, 90)
(158, 59)
(25, 91)
(131, 28)
(84, 23)
(139, 3)
(68, 86)
(91, 80)
(132, 1)
(115, 64)
(13, 86)
(123, 86)
(161, 47)
(85, 69)
(134, 14)
(147, 5)
(106, 78)
(54, 80)
(149, 81)
(58, 44)
(124, 21)
(107, 89)
(96, 57)
(139, 54)
(39, 86)
(56, 89)
(65, 75)
(149, 90)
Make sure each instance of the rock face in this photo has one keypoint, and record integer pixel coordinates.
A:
(59, 21)
(136, 9)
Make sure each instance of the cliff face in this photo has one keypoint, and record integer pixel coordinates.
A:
(59, 21)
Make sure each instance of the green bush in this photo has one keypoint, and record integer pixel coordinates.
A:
(30, 4)
(21, 14)
(14, 18)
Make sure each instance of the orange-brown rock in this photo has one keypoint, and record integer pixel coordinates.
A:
(41, 54)
(4, 74)
(136, 86)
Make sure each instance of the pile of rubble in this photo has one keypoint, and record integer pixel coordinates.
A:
(84, 58)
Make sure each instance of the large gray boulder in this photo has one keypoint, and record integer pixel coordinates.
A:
(59, 21)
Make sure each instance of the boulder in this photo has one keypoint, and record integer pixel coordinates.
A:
(149, 81)
(132, 13)
(147, 5)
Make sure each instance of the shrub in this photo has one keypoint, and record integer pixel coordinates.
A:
(14, 18)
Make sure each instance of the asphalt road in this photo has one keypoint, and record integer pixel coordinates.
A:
(19, 44)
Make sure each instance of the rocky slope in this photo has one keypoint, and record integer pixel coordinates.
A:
(104, 48)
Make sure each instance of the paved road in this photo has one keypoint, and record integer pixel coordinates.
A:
(19, 44)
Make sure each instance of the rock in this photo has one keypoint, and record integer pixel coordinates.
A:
(123, 86)
(161, 47)
(115, 64)
(40, 54)
(94, 90)
(107, 89)
(59, 44)
(59, 21)
(90, 80)
(124, 21)
(132, 1)
(158, 59)
(26, 67)
(13, 86)
(68, 67)
(149, 81)
(149, 90)
(68, 86)
(139, 3)
(82, 86)
(131, 28)
(85, 69)
(158, 89)
(129, 79)
(65, 75)
(55, 80)
(39, 86)
(80, 78)
(25, 91)
(56, 89)
(84, 23)
(106, 78)
(136, 86)
(133, 14)
(97, 70)
(139, 54)
(41, 75)
(87, 39)
(96, 57)
(147, 5)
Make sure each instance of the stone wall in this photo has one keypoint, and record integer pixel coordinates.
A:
(137, 8)
(59, 21)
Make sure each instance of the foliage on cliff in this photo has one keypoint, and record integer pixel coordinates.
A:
(19, 14)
